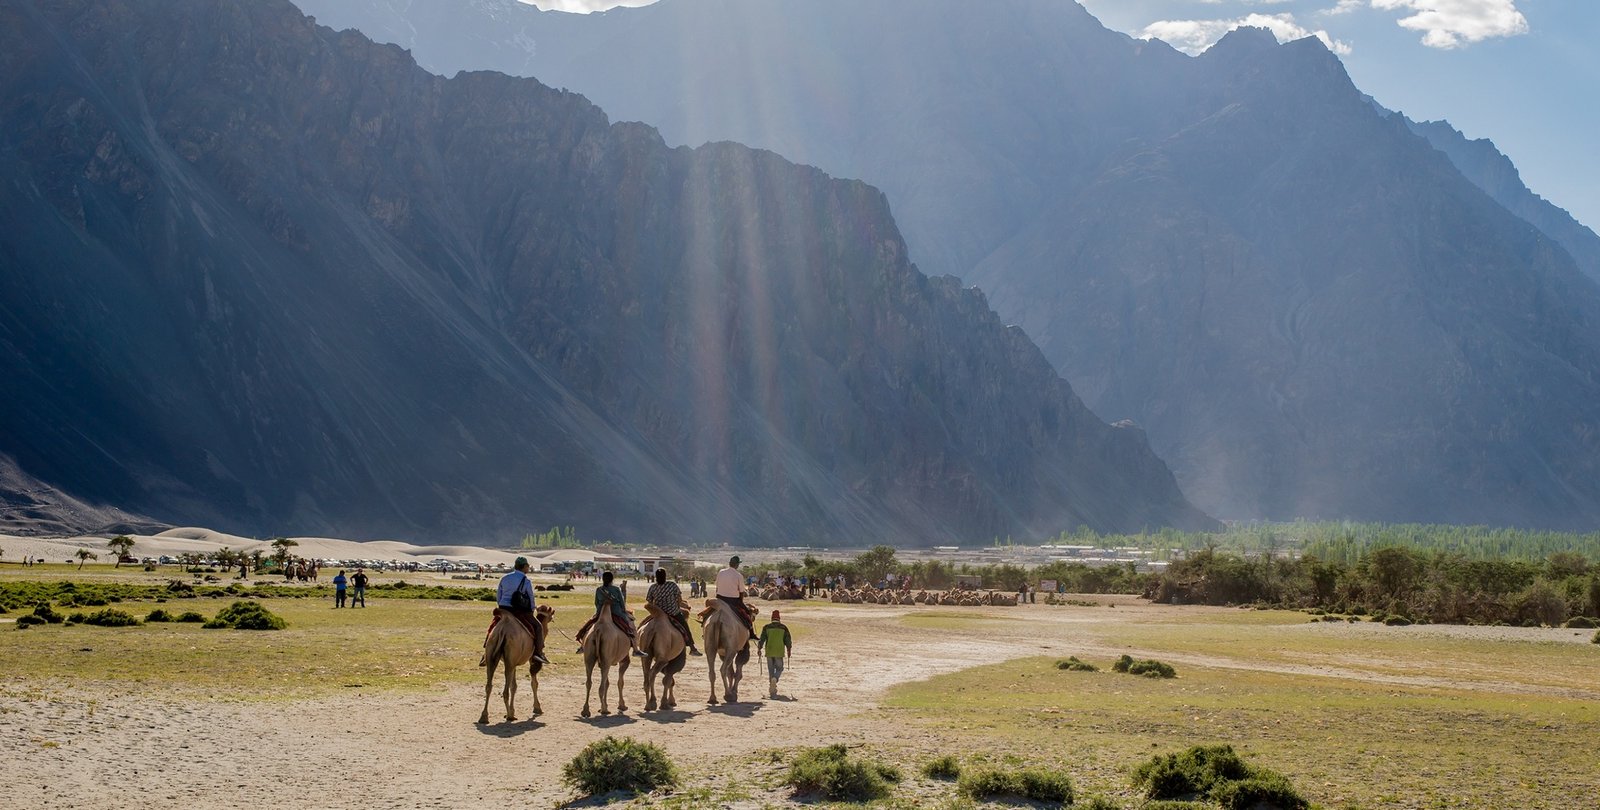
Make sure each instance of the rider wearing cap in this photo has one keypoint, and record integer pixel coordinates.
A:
(514, 597)
(730, 589)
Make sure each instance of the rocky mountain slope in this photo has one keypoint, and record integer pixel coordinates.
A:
(1310, 309)
(264, 276)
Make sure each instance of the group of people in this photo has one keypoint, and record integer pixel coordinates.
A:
(358, 597)
(515, 598)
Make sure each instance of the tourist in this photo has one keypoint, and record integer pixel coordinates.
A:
(514, 597)
(730, 589)
(360, 594)
(668, 598)
(777, 645)
(338, 590)
(610, 596)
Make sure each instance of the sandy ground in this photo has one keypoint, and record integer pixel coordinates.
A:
(206, 541)
(112, 746)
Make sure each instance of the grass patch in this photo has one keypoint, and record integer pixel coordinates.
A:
(1072, 664)
(619, 764)
(945, 767)
(1028, 784)
(832, 773)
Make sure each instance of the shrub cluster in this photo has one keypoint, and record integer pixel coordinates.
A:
(157, 616)
(833, 773)
(108, 617)
(246, 615)
(1072, 664)
(1218, 774)
(619, 764)
(945, 767)
(1028, 784)
(1149, 668)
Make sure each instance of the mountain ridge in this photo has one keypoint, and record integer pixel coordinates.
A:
(304, 286)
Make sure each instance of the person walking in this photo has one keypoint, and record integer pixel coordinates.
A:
(777, 644)
(338, 590)
(360, 593)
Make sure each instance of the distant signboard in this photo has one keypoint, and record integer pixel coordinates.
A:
(1047, 585)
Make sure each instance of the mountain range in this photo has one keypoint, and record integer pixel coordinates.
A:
(1315, 307)
(265, 276)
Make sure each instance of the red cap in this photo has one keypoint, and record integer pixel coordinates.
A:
(774, 615)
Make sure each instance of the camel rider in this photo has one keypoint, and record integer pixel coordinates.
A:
(610, 595)
(730, 589)
(514, 597)
(668, 598)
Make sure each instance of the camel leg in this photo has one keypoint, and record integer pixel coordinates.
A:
(668, 700)
(588, 684)
(533, 678)
(709, 638)
(511, 691)
(622, 669)
(650, 684)
(488, 689)
(605, 688)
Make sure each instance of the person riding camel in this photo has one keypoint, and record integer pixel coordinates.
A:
(610, 595)
(514, 597)
(668, 598)
(730, 589)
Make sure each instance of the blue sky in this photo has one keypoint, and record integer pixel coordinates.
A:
(1523, 73)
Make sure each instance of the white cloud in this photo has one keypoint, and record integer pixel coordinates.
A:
(1455, 23)
(1194, 36)
(1344, 7)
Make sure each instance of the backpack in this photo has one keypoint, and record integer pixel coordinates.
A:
(521, 602)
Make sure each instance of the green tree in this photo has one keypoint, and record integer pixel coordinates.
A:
(280, 549)
(84, 555)
(120, 546)
(874, 565)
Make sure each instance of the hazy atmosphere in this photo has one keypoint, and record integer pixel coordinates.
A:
(1147, 405)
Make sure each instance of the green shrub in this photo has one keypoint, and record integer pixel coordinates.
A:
(158, 615)
(1152, 669)
(1582, 623)
(246, 615)
(1072, 664)
(1097, 803)
(945, 767)
(1190, 773)
(47, 614)
(77, 618)
(191, 617)
(111, 617)
(1266, 789)
(623, 764)
(1122, 664)
(1035, 784)
(1175, 805)
(831, 772)
(216, 624)
(28, 620)
(1398, 621)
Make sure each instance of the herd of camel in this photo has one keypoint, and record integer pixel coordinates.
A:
(966, 597)
(724, 638)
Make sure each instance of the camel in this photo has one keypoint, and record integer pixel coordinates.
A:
(664, 652)
(726, 637)
(607, 646)
(511, 643)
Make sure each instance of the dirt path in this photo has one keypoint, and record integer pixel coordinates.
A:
(115, 745)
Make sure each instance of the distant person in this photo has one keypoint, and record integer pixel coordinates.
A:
(668, 598)
(608, 597)
(360, 583)
(777, 645)
(514, 597)
(338, 590)
(730, 589)
(624, 588)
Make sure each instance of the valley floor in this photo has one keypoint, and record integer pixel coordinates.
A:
(376, 707)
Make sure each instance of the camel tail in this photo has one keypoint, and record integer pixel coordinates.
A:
(495, 651)
(676, 665)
